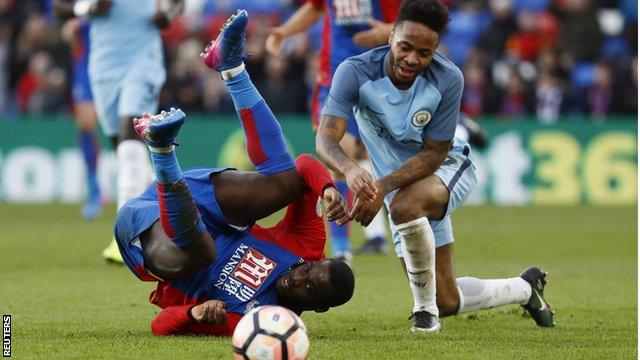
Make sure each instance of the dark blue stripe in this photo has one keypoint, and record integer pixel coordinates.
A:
(465, 151)
(456, 177)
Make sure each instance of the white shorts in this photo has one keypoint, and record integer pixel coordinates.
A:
(458, 173)
(131, 94)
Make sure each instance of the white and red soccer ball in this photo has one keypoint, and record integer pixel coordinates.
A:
(269, 333)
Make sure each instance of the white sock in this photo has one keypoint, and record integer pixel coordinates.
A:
(133, 169)
(419, 252)
(477, 294)
(378, 226)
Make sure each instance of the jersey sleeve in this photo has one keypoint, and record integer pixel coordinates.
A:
(343, 95)
(443, 125)
(301, 231)
(177, 320)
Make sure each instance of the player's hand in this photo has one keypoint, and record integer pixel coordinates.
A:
(377, 35)
(212, 312)
(365, 212)
(361, 184)
(335, 206)
(100, 7)
(273, 45)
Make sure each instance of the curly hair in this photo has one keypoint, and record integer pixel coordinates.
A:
(427, 12)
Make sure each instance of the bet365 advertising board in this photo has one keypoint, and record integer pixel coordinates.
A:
(526, 163)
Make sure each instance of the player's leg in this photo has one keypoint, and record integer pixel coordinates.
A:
(409, 210)
(246, 197)
(105, 95)
(468, 293)
(180, 245)
(86, 119)
(137, 92)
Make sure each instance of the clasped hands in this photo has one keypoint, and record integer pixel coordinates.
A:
(367, 193)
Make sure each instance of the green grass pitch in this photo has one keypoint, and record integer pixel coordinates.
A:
(67, 304)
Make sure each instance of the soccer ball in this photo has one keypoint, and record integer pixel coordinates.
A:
(270, 332)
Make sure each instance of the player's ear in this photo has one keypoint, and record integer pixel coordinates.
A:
(321, 310)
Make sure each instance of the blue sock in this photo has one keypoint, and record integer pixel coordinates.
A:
(179, 217)
(90, 149)
(243, 93)
(340, 234)
(266, 146)
(166, 167)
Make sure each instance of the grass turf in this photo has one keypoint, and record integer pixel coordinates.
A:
(66, 303)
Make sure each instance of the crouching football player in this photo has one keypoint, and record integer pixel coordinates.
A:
(195, 232)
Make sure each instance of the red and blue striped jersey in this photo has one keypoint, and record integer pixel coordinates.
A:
(342, 20)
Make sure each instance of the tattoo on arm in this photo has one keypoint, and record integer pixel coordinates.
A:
(418, 167)
(328, 138)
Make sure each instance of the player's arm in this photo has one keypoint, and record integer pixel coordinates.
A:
(307, 15)
(343, 95)
(81, 8)
(377, 35)
(165, 16)
(208, 318)
(418, 167)
(302, 230)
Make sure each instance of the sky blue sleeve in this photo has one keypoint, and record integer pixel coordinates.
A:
(442, 126)
(343, 95)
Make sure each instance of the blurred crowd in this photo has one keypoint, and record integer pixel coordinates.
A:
(520, 58)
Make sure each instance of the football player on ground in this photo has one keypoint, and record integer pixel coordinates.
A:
(406, 101)
(195, 232)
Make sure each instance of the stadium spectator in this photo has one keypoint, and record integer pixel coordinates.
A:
(549, 97)
(600, 94)
(579, 22)
(167, 233)
(492, 41)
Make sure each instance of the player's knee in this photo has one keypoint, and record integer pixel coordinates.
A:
(201, 255)
(404, 209)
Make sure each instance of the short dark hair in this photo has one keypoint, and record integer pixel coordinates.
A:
(427, 12)
(343, 282)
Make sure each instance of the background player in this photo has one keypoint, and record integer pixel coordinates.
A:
(218, 265)
(76, 33)
(126, 69)
(349, 28)
(406, 99)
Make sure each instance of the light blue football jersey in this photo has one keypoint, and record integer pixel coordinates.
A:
(124, 36)
(394, 123)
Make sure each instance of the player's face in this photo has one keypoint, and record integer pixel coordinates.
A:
(413, 45)
(306, 287)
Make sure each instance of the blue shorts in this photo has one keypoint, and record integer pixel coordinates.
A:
(132, 93)
(458, 173)
(322, 93)
(81, 88)
(140, 213)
